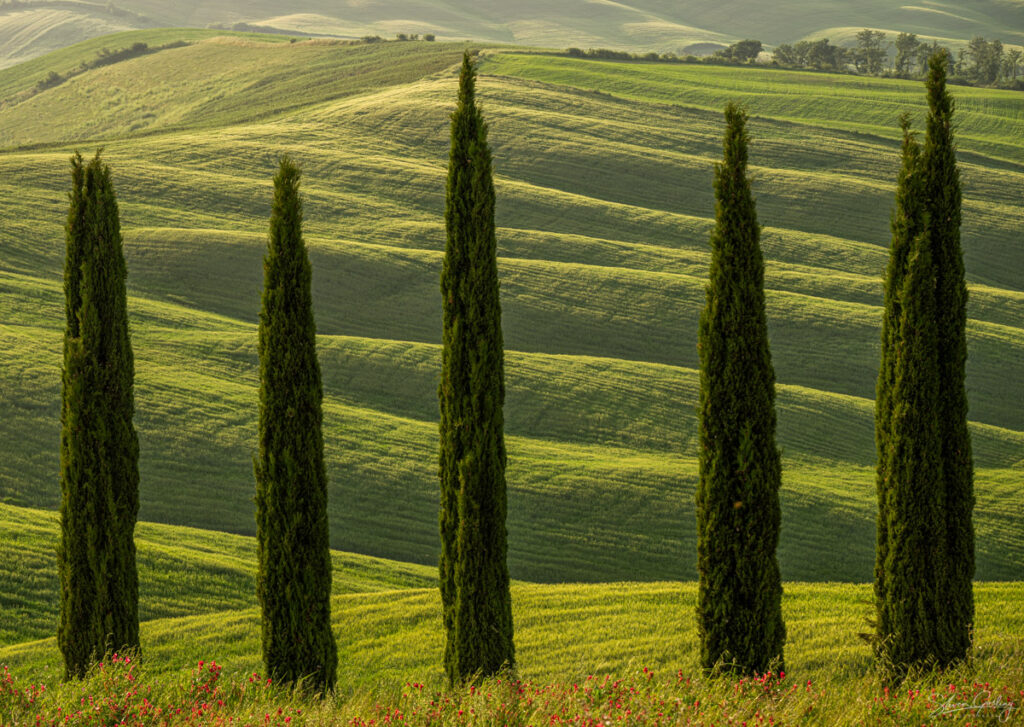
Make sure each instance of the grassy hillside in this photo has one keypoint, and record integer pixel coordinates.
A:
(28, 31)
(563, 632)
(182, 571)
(604, 207)
(33, 27)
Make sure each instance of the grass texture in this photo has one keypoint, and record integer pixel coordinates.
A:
(604, 207)
(564, 633)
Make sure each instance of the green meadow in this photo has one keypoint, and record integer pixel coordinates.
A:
(603, 176)
(564, 632)
(197, 598)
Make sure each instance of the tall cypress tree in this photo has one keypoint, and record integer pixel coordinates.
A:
(99, 447)
(911, 603)
(907, 223)
(925, 557)
(942, 195)
(474, 576)
(293, 544)
(739, 604)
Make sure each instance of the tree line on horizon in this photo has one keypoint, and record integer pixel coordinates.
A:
(980, 62)
(925, 542)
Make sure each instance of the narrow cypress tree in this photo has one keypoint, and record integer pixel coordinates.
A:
(942, 195)
(474, 576)
(99, 447)
(907, 223)
(912, 601)
(293, 544)
(739, 604)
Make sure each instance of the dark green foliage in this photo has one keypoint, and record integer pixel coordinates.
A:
(907, 49)
(474, 576)
(910, 547)
(870, 54)
(910, 610)
(745, 51)
(294, 578)
(942, 195)
(925, 550)
(99, 449)
(908, 223)
(739, 604)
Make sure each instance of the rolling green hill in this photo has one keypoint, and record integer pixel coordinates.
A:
(563, 632)
(604, 207)
(32, 27)
(182, 572)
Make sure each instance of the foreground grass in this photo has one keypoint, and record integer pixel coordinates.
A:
(124, 693)
(609, 653)
(562, 632)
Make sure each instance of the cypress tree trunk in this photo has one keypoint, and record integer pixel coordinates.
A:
(293, 544)
(99, 447)
(474, 576)
(908, 222)
(942, 195)
(739, 608)
(913, 600)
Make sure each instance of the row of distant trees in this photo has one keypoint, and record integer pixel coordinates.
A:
(980, 62)
(925, 542)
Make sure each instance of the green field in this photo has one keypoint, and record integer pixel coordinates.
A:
(35, 27)
(604, 208)
(182, 572)
(197, 605)
(563, 632)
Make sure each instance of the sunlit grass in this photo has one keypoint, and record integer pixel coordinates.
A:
(596, 650)
(604, 209)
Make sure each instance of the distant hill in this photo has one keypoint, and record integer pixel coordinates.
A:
(604, 207)
(33, 27)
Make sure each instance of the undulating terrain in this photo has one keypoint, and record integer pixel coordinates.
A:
(29, 28)
(603, 175)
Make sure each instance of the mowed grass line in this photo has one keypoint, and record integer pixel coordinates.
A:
(563, 632)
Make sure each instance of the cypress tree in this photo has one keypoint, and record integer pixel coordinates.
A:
(474, 580)
(907, 223)
(942, 196)
(739, 604)
(99, 447)
(293, 544)
(912, 602)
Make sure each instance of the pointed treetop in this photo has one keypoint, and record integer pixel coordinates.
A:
(467, 80)
(735, 141)
(905, 124)
(286, 217)
(940, 102)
